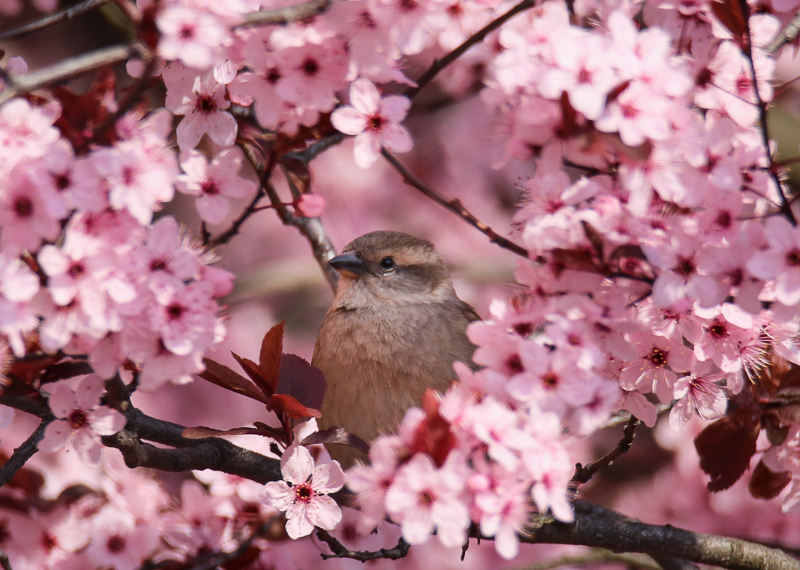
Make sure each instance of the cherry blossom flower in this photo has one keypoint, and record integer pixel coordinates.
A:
(698, 393)
(659, 358)
(781, 261)
(214, 182)
(374, 120)
(423, 498)
(204, 109)
(81, 420)
(190, 34)
(303, 494)
(118, 541)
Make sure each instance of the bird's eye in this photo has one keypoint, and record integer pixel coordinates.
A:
(387, 263)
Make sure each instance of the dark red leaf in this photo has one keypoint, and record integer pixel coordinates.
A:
(269, 359)
(729, 13)
(336, 435)
(578, 259)
(81, 114)
(725, 448)
(285, 404)
(224, 377)
(766, 484)
(254, 372)
(276, 433)
(304, 382)
(433, 435)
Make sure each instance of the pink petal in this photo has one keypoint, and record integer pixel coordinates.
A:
(55, 438)
(298, 523)
(364, 96)
(787, 287)
(296, 464)
(222, 129)
(106, 421)
(63, 401)
(366, 149)
(348, 121)
(87, 445)
(396, 138)
(89, 391)
(325, 513)
(328, 478)
(395, 108)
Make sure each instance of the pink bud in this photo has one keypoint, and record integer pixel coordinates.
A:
(221, 280)
(310, 205)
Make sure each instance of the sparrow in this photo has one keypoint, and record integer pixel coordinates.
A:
(394, 330)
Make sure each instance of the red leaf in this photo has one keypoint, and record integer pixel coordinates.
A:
(254, 372)
(284, 404)
(304, 382)
(729, 13)
(269, 359)
(725, 448)
(433, 435)
(766, 484)
(224, 377)
(82, 114)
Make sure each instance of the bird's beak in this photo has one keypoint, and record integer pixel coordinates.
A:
(349, 265)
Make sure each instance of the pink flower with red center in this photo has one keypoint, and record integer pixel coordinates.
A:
(375, 122)
(781, 261)
(204, 110)
(700, 393)
(214, 182)
(81, 420)
(423, 498)
(192, 35)
(26, 216)
(303, 494)
(659, 357)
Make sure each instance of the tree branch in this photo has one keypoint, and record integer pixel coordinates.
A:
(787, 35)
(475, 38)
(51, 19)
(284, 15)
(23, 453)
(341, 551)
(620, 534)
(454, 206)
(584, 473)
(25, 83)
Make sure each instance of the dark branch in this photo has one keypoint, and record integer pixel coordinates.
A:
(189, 454)
(341, 551)
(475, 38)
(24, 83)
(50, 19)
(584, 473)
(23, 453)
(453, 206)
(620, 534)
(285, 15)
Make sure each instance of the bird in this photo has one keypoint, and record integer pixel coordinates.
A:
(394, 330)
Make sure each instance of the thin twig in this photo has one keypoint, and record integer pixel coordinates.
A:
(23, 453)
(454, 206)
(25, 83)
(51, 19)
(787, 35)
(341, 551)
(285, 15)
(584, 473)
(475, 38)
(311, 228)
(5, 564)
(747, 50)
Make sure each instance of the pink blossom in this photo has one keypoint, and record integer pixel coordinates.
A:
(190, 34)
(81, 420)
(185, 317)
(371, 482)
(312, 75)
(781, 261)
(118, 541)
(18, 286)
(204, 109)
(303, 494)
(375, 121)
(659, 358)
(699, 393)
(28, 219)
(214, 182)
(310, 205)
(423, 498)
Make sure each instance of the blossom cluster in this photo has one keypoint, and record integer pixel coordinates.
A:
(101, 278)
(664, 255)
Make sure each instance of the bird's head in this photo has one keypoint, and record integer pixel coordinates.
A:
(392, 267)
